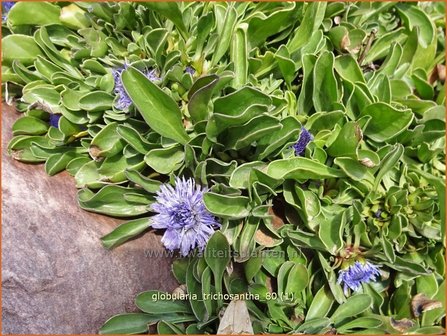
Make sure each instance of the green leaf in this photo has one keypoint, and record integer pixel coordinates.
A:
(413, 16)
(329, 273)
(330, 232)
(218, 256)
(226, 35)
(167, 328)
(286, 65)
(430, 317)
(354, 169)
(170, 10)
(134, 139)
(125, 232)
(287, 135)
(310, 206)
(360, 323)
(321, 304)
(225, 206)
(388, 162)
(388, 249)
(427, 285)
(238, 137)
(152, 302)
(111, 201)
(165, 160)
(57, 162)
(339, 36)
(260, 26)
(314, 326)
(241, 175)
(20, 147)
(150, 185)
(158, 109)
(195, 293)
(439, 185)
(355, 305)
(324, 120)
(237, 108)
(348, 68)
(96, 101)
(297, 281)
(26, 75)
(282, 278)
(305, 98)
(74, 165)
(133, 323)
(200, 95)
(325, 90)
(206, 289)
(347, 140)
(253, 266)
(386, 121)
(19, 48)
(304, 239)
(204, 26)
(301, 168)
(179, 269)
(239, 55)
(29, 126)
(245, 244)
(37, 13)
(381, 45)
(156, 40)
(106, 143)
(312, 20)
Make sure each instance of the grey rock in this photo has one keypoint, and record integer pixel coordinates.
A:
(56, 276)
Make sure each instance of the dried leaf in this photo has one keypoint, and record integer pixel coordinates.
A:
(421, 303)
(401, 325)
(236, 320)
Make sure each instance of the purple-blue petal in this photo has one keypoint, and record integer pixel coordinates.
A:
(6, 7)
(190, 70)
(182, 213)
(303, 141)
(54, 120)
(171, 239)
(124, 101)
(356, 274)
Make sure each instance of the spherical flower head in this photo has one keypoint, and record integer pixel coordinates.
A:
(6, 7)
(54, 120)
(124, 101)
(303, 141)
(356, 274)
(182, 213)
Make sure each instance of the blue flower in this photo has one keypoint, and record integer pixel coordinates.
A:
(54, 120)
(190, 70)
(124, 101)
(303, 141)
(182, 213)
(7, 5)
(356, 274)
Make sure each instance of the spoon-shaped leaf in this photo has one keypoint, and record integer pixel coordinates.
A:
(217, 256)
(158, 109)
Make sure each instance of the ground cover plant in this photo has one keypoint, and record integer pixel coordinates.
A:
(290, 153)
